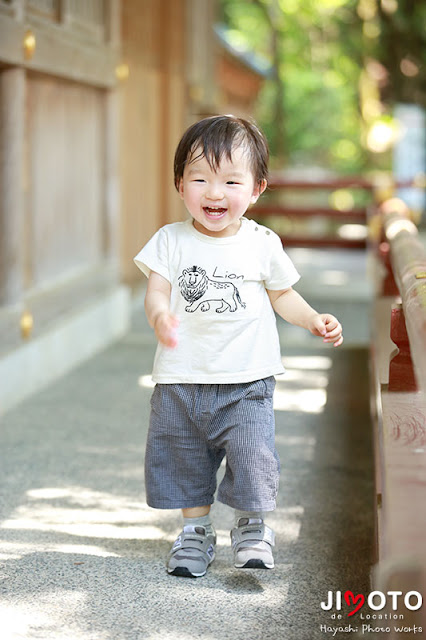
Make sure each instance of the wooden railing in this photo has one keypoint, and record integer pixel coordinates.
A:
(271, 207)
(399, 410)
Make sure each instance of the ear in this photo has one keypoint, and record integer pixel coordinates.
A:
(258, 190)
(181, 188)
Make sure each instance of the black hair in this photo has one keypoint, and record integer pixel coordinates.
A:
(218, 136)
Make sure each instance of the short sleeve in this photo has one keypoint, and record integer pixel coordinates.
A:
(155, 256)
(282, 272)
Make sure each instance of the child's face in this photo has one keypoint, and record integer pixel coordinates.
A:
(217, 200)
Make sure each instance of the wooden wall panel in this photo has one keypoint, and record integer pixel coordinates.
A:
(65, 172)
(153, 101)
(140, 122)
(177, 106)
(177, 116)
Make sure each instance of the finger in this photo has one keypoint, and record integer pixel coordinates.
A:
(331, 323)
(173, 339)
(334, 333)
(166, 335)
(172, 334)
(339, 342)
(170, 341)
(334, 336)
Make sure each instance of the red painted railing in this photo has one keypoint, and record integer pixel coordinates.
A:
(267, 207)
(408, 262)
(399, 406)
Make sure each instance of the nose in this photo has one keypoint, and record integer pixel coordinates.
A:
(214, 191)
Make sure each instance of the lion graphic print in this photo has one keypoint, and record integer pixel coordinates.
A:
(202, 293)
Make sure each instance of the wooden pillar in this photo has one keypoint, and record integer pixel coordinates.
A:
(111, 248)
(113, 22)
(172, 102)
(19, 9)
(12, 119)
(112, 149)
(164, 27)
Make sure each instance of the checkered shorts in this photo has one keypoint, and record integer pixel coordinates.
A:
(193, 427)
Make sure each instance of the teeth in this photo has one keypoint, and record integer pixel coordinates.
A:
(214, 209)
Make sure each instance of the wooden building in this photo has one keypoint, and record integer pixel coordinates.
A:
(240, 75)
(94, 96)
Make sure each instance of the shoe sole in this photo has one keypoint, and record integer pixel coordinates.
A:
(184, 572)
(254, 564)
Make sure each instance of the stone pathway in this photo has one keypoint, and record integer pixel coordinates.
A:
(83, 558)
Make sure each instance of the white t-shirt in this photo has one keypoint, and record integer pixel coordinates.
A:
(227, 328)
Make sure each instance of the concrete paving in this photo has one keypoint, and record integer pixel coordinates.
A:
(82, 557)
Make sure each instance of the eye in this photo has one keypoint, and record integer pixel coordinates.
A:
(232, 182)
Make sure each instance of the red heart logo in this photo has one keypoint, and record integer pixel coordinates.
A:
(350, 599)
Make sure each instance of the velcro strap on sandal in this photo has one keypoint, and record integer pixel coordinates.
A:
(252, 533)
(190, 538)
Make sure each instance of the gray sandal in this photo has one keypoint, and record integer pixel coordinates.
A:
(192, 553)
(252, 543)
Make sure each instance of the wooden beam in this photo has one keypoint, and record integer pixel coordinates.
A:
(58, 52)
(318, 242)
(353, 215)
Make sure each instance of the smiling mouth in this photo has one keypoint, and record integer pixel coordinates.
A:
(214, 212)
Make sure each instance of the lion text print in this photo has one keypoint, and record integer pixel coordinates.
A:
(200, 291)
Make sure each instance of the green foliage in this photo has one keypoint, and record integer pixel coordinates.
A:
(319, 61)
(401, 48)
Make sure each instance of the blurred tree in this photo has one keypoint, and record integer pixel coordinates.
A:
(394, 56)
(272, 13)
(334, 63)
(401, 49)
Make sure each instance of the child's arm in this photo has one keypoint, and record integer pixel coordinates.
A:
(293, 308)
(157, 309)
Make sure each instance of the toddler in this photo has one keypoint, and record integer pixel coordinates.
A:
(214, 283)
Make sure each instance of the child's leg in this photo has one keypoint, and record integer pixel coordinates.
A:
(247, 433)
(247, 514)
(196, 512)
(198, 517)
(252, 470)
(180, 471)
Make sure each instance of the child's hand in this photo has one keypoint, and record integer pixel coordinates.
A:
(165, 326)
(326, 325)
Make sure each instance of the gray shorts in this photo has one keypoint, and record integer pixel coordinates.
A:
(193, 426)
